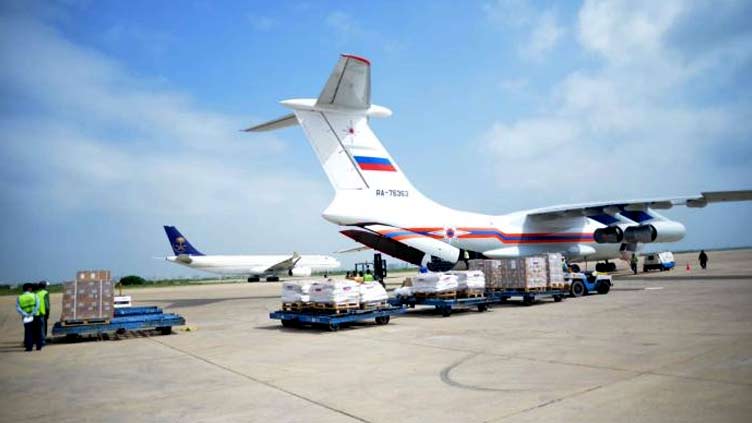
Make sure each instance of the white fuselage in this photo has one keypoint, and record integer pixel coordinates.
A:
(257, 265)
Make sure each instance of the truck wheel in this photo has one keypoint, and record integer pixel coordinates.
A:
(603, 288)
(165, 330)
(482, 307)
(557, 298)
(333, 327)
(382, 320)
(528, 300)
(577, 289)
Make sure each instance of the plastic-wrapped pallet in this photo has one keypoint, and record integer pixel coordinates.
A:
(555, 271)
(469, 279)
(342, 291)
(372, 292)
(404, 291)
(296, 291)
(491, 271)
(434, 283)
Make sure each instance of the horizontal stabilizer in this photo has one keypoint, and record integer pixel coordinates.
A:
(283, 122)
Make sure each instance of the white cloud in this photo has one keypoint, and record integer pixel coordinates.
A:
(83, 137)
(541, 29)
(627, 127)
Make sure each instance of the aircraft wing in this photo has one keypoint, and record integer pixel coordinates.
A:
(284, 265)
(353, 250)
(614, 207)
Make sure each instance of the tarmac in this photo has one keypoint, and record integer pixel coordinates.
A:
(662, 347)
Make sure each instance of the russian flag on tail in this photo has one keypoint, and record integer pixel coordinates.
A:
(375, 163)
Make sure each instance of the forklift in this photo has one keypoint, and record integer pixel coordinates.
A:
(379, 268)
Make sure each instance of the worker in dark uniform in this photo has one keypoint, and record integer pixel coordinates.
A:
(44, 306)
(27, 306)
(633, 263)
(703, 259)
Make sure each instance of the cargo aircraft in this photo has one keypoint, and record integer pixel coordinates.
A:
(381, 209)
(254, 267)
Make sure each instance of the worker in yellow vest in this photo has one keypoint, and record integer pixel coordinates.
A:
(27, 306)
(44, 306)
(368, 277)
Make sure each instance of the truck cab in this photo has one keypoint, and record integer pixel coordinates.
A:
(659, 261)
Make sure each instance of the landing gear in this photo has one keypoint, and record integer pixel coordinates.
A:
(272, 279)
(253, 279)
(605, 267)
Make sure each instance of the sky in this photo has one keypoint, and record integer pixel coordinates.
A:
(119, 117)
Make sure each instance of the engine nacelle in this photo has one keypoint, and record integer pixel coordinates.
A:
(300, 271)
(609, 235)
(660, 231)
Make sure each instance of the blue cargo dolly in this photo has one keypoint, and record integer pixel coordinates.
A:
(334, 321)
(526, 297)
(124, 319)
(445, 305)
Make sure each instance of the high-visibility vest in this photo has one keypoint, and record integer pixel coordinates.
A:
(42, 294)
(27, 301)
(368, 277)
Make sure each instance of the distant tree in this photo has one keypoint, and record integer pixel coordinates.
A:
(132, 280)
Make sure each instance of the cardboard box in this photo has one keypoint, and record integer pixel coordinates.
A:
(88, 298)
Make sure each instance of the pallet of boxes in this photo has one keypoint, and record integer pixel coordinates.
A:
(333, 296)
(446, 286)
(525, 277)
(88, 299)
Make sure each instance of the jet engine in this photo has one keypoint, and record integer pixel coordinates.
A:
(609, 235)
(660, 231)
(299, 271)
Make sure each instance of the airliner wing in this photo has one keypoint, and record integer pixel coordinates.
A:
(614, 207)
(353, 249)
(285, 265)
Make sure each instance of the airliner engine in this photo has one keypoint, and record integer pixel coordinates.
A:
(609, 235)
(300, 271)
(660, 231)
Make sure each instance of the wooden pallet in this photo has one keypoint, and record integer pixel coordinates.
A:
(335, 308)
(81, 322)
(540, 289)
(374, 305)
(296, 306)
(471, 293)
(447, 295)
(561, 286)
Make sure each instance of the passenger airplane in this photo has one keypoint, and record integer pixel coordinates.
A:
(384, 211)
(255, 267)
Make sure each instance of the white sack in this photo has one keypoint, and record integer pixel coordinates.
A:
(434, 282)
(335, 292)
(294, 291)
(371, 292)
(469, 279)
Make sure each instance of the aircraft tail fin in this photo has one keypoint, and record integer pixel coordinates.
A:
(179, 243)
(336, 126)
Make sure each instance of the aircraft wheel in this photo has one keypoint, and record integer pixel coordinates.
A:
(558, 298)
(482, 307)
(253, 279)
(446, 312)
(333, 327)
(272, 279)
(289, 323)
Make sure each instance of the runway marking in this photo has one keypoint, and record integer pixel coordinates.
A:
(251, 378)
(650, 288)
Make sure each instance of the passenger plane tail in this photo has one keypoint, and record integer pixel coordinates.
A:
(179, 243)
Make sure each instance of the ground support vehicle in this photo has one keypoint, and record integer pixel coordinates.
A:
(333, 321)
(584, 283)
(123, 320)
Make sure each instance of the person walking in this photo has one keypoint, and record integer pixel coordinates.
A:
(633, 263)
(703, 259)
(44, 306)
(27, 305)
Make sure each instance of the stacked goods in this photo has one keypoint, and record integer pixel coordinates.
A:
(296, 291)
(491, 270)
(430, 283)
(555, 271)
(372, 293)
(404, 291)
(336, 292)
(89, 297)
(469, 279)
(523, 273)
